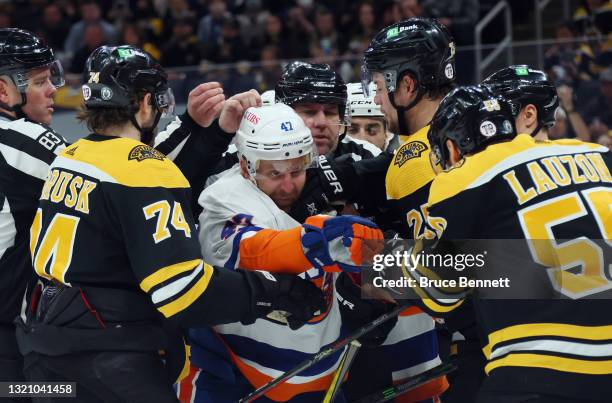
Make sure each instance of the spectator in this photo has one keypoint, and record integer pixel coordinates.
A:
(391, 13)
(150, 22)
(176, 10)
(90, 14)
(135, 36)
(301, 29)
(270, 70)
(599, 105)
(593, 14)
(54, 27)
(559, 61)
(252, 22)
(324, 41)
(276, 36)
(566, 101)
(230, 47)
(411, 8)
(182, 49)
(120, 13)
(210, 27)
(364, 30)
(93, 38)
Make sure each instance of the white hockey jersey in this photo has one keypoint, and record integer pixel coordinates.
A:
(234, 209)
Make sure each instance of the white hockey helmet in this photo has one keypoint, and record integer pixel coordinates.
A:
(273, 133)
(359, 104)
(267, 98)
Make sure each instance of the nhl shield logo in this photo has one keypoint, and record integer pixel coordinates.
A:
(144, 152)
(408, 151)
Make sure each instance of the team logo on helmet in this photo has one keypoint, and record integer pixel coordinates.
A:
(448, 71)
(408, 151)
(86, 92)
(106, 93)
(491, 105)
(488, 128)
(144, 152)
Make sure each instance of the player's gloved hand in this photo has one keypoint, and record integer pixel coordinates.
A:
(326, 186)
(344, 243)
(357, 311)
(284, 298)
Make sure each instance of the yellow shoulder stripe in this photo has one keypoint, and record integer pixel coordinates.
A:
(547, 329)
(410, 169)
(129, 162)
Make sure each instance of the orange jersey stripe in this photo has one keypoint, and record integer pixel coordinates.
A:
(274, 251)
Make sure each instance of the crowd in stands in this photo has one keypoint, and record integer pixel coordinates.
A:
(196, 39)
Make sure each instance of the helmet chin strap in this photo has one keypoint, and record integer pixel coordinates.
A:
(401, 111)
(146, 134)
(536, 130)
(18, 108)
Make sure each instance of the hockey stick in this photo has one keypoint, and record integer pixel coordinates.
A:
(326, 352)
(413, 383)
(347, 361)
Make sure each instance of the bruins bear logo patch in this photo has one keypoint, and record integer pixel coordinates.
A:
(408, 151)
(143, 152)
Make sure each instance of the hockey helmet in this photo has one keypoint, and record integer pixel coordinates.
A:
(472, 117)
(522, 86)
(422, 47)
(21, 52)
(267, 98)
(303, 83)
(273, 133)
(113, 77)
(360, 104)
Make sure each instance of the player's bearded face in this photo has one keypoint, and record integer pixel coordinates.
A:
(282, 181)
(382, 99)
(323, 120)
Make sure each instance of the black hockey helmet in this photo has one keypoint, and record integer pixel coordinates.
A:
(113, 77)
(303, 82)
(472, 117)
(522, 86)
(422, 47)
(21, 52)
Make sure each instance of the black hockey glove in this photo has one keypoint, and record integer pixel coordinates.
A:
(328, 184)
(357, 312)
(283, 298)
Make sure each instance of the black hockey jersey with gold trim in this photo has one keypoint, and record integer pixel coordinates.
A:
(556, 196)
(115, 213)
